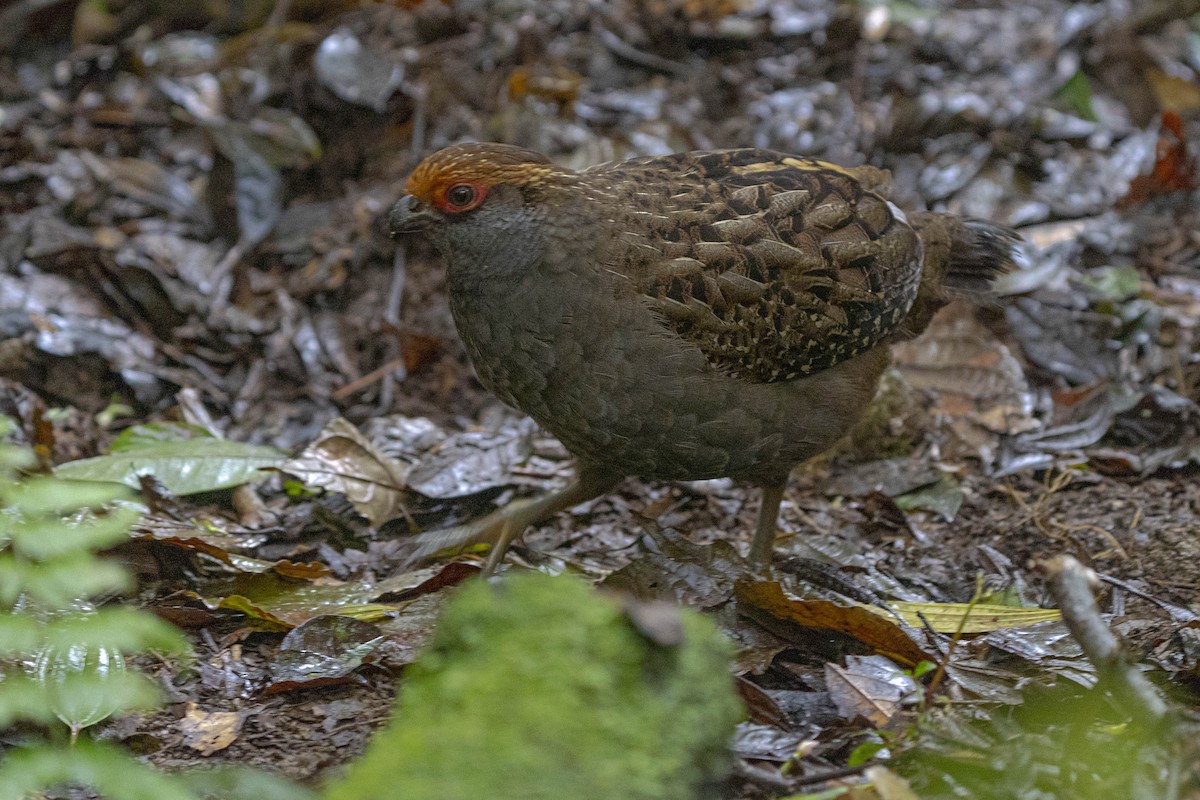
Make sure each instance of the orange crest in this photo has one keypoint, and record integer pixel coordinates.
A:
(457, 178)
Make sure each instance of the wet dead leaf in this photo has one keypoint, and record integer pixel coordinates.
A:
(879, 633)
(556, 85)
(143, 181)
(761, 707)
(343, 460)
(981, 388)
(184, 609)
(1049, 647)
(675, 569)
(216, 544)
(764, 742)
(284, 605)
(892, 477)
(323, 650)
(473, 461)
(872, 688)
(451, 574)
(261, 618)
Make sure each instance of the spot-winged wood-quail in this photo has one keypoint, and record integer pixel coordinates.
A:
(699, 315)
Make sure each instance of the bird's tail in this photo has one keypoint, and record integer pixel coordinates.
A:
(963, 256)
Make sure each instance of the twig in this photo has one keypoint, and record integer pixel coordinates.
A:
(944, 661)
(279, 13)
(391, 315)
(631, 53)
(1050, 527)
(222, 277)
(830, 775)
(420, 119)
(1072, 584)
(1156, 15)
(358, 384)
(1177, 613)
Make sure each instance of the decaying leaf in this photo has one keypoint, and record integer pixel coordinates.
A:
(871, 688)
(980, 617)
(872, 629)
(323, 650)
(208, 732)
(343, 460)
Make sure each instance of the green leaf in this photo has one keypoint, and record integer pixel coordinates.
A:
(943, 498)
(23, 698)
(20, 635)
(183, 468)
(241, 783)
(923, 668)
(12, 458)
(136, 437)
(45, 495)
(59, 583)
(864, 753)
(1076, 95)
(1114, 283)
(80, 681)
(108, 770)
(835, 793)
(126, 629)
(48, 539)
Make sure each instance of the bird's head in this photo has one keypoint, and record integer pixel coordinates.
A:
(482, 205)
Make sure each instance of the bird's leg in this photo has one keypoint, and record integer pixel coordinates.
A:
(768, 515)
(500, 527)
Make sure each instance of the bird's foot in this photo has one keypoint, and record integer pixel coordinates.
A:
(499, 528)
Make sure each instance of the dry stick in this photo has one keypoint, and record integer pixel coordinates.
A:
(944, 661)
(419, 93)
(1177, 613)
(222, 276)
(1072, 584)
(391, 315)
(279, 13)
(358, 384)
(828, 775)
(630, 53)
(1157, 15)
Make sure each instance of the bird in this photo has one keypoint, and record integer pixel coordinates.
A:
(705, 314)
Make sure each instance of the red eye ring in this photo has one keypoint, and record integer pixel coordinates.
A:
(460, 197)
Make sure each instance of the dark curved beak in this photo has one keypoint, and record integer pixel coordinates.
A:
(409, 215)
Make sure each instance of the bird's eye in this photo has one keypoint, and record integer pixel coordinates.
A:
(461, 195)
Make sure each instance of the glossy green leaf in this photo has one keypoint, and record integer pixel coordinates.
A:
(136, 437)
(80, 681)
(183, 468)
(49, 538)
(59, 583)
(126, 629)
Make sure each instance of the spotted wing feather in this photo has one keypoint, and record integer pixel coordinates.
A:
(774, 266)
